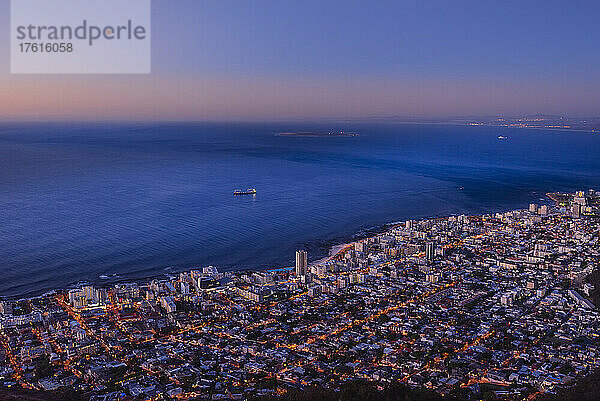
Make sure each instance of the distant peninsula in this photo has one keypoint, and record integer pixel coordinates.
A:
(318, 134)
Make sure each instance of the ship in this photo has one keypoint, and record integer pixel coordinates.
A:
(249, 191)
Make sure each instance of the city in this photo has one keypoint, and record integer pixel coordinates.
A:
(299, 200)
(462, 305)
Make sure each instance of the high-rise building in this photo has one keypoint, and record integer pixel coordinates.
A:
(89, 293)
(101, 295)
(430, 251)
(533, 208)
(301, 263)
(77, 298)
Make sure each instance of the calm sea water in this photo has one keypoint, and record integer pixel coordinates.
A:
(83, 202)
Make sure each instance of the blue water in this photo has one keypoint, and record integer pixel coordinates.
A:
(80, 202)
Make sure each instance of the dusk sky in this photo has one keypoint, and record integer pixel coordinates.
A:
(274, 60)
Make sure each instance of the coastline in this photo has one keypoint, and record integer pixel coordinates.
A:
(337, 245)
(333, 252)
(462, 124)
(105, 281)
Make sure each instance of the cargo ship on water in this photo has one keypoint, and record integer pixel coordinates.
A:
(249, 191)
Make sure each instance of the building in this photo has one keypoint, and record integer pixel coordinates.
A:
(579, 300)
(314, 291)
(319, 270)
(430, 251)
(77, 298)
(507, 299)
(210, 271)
(580, 198)
(169, 304)
(576, 210)
(253, 294)
(94, 296)
(6, 308)
(432, 278)
(301, 263)
(360, 246)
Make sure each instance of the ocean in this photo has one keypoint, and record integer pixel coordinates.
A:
(110, 202)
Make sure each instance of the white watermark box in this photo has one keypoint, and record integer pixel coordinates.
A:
(80, 36)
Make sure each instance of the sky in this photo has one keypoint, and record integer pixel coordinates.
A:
(277, 60)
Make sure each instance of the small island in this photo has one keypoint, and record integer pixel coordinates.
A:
(330, 134)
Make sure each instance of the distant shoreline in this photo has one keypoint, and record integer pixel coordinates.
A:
(319, 134)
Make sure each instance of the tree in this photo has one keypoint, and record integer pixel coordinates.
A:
(44, 368)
